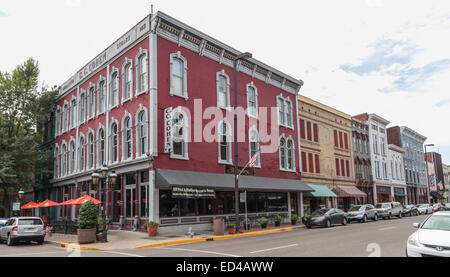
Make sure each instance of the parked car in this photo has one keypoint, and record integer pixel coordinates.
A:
(431, 239)
(447, 206)
(326, 218)
(362, 213)
(425, 209)
(23, 229)
(389, 209)
(410, 210)
(3, 222)
(437, 207)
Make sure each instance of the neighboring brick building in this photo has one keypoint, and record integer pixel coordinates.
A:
(117, 111)
(414, 163)
(327, 154)
(436, 180)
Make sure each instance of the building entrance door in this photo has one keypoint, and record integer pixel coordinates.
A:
(116, 206)
(130, 195)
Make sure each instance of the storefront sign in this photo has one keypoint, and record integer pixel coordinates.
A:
(167, 130)
(16, 206)
(190, 192)
(249, 171)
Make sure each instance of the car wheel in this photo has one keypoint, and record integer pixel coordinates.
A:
(364, 220)
(375, 217)
(344, 221)
(308, 226)
(390, 216)
(400, 215)
(9, 241)
(41, 241)
(328, 223)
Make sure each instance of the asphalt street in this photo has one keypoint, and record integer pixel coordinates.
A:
(384, 238)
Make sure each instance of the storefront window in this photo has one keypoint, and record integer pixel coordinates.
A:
(143, 201)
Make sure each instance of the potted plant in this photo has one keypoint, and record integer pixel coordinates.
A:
(294, 219)
(231, 228)
(49, 230)
(305, 218)
(87, 221)
(246, 223)
(100, 222)
(152, 228)
(278, 218)
(263, 222)
(99, 236)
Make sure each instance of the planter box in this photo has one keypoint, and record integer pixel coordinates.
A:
(152, 230)
(86, 235)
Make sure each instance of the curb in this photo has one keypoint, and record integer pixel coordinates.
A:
(76, 246)
(215, 238)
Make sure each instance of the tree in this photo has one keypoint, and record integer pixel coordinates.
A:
(24, 106)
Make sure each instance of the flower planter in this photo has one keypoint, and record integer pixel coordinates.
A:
(294, 222)
(152, 230)
(99, 237)
(232, 230)
(86, 235)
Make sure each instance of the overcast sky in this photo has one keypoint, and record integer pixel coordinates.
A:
(391, 58)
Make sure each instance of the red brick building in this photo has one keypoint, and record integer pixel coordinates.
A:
(137, 108)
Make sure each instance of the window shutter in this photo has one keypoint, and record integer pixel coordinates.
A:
(337, 168)
(302, 129)
(347, 167)
(310, 162)
(316, 132)
(346, 140)
(308, 130)
(335, 139)
(317, 163)
(341, 144)
(304, 162)
(342, 168)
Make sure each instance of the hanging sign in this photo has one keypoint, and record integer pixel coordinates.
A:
(167, 130)
(191, 192)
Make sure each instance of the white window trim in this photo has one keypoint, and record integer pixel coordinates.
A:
(58, 121)
(185, 91)
(74, 168)
(287, 99)
(142, 108)
(256, 100)
(227, 78)
(82, 119)
(91, 90)
(114, 70)
(75, 113)
(229, 145)
(100, 80)
(79, 153)
(56, 165)
(137, 66)
(110, 142)
(126, 115)
(253, 129)
(101, 127)
(88, 152)
(65, 118)
(185, 136)
(124, 75)
(286, 140)
(64, 172)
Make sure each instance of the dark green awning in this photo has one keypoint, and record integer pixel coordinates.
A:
(320, 191)
(400, 194)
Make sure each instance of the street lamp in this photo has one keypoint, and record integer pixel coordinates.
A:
(426, 167)
(242, 56)
(112, 179)
(21, 193)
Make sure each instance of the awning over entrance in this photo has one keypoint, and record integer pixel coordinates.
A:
(320, 191)
(349, 191)
(167, 178)
(400, 194)
(436, 195)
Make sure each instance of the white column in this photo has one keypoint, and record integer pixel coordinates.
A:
(289, 204)
(375, 198)
(300, 204)
(153, 90)
(153, 198)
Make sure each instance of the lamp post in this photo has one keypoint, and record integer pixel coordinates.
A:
(245, 55)
(426, 167)
(21, 193)
(111, 179)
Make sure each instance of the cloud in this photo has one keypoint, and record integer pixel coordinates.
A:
(442, 103)
(2, 13)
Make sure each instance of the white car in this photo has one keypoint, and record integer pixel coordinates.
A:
(425, 209)
(433, 237)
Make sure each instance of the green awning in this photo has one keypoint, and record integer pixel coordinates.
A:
(400, 194)
(320, 191)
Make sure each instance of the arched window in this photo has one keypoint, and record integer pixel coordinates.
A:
(58, 121)
(91, 150)
(287, 153)
(81, 155)
(142, 133)
(224, 142)
(252, 100)
(63, 160)
(283, 153)
(65, 117)
(101, 97)
(57, 157)
(127, 138)
(127, 71)
(179, 135)
(290, 154)
(223, 90)
(114, 143)
(82, 107)
(114, 99)
(72, 157)
(101, 147)
(178, 72)
(142, 73)
(91, 102)
(254, 146)
(73, 112)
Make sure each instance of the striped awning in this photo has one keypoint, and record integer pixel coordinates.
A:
(349, 191)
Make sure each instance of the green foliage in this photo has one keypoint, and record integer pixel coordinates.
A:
(150, 223)
(278, 218)
(294, 217)
(246, 221)
(263, 221)
(231, 226)
(88, 218)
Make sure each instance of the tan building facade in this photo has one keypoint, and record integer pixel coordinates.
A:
(327, 156)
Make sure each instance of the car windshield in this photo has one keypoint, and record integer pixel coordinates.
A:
(382, 206)
(408, 206)
(31, 221)
(447, 205)
(437, 222)
(320, 212)
(423, 206)
(356, 208)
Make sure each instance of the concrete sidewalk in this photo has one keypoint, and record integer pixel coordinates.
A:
(118, 239)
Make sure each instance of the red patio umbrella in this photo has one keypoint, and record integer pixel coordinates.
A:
(81, 200)
(29, 205)
(47, 203)
(67, 203)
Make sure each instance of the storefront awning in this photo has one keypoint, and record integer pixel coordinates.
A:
(436, 195)
(400, 194)
(320, 191)
(167, 178)
(349, 191)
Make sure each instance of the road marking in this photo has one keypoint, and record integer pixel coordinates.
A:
(387, 228)
(38, 253)
(122, 253)
(201, 251)
(275, 248)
